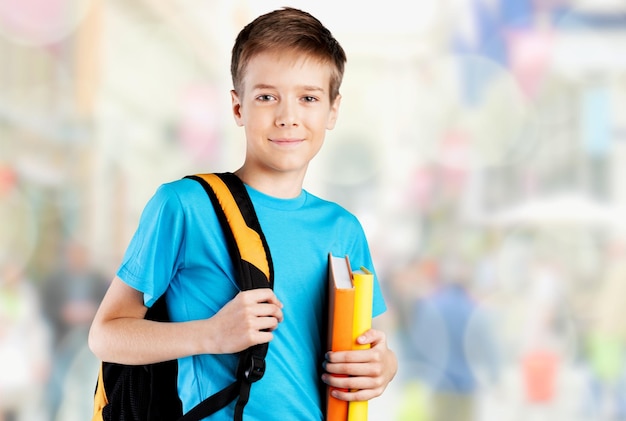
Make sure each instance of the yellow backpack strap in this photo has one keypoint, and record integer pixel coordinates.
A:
(253, 266)
(100, 398)
(235, 212)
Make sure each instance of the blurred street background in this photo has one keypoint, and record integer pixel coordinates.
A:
(482, 143)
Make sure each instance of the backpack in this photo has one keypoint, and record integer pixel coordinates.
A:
(149, 392)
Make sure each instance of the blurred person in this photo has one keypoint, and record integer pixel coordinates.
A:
(73, 292)
(544, 339)
(545, 301)
(453, 341)
(287, 69)
(25, 346)
(605, 340)
(412, 283)
(72, 295)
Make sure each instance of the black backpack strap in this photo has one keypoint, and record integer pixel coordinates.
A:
(253, 267)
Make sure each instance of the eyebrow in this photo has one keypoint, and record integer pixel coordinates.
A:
(310, 88)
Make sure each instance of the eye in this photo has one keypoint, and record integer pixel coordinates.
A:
(309, 99)
(265, 98)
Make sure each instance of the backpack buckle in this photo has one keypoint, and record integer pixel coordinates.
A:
(255, 369)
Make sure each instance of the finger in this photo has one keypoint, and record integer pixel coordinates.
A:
(354, 388)
(367, 368)
(372, 336)
(266, 323)
(354, 394)
(261, 337)
(265, 307)
(354, 356)
(271, 310)
(262, 295)
(351, 383)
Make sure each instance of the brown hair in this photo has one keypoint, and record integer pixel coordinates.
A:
(287, 29)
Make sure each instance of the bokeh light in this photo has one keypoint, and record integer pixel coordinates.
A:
(41, 22)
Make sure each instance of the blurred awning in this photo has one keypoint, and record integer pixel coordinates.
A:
(561, 209)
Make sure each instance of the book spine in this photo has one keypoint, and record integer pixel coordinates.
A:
(362, 322)
(342, 304)
(341, 313)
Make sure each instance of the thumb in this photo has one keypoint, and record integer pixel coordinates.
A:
(371, 336)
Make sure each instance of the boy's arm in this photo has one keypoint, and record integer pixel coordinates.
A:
(369, 371)
(119, 333)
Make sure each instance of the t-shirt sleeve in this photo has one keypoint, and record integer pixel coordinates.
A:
(155, 250)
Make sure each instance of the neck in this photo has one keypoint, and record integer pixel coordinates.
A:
(275, 184)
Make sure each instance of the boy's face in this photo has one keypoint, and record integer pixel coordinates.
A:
(285, 109)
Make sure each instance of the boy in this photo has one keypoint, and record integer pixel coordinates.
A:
(286, 69)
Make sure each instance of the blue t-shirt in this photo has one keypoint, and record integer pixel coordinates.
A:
(179, 249)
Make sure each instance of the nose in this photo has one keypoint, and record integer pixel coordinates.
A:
(286, 114)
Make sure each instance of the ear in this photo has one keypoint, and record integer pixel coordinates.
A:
(236, 107)
(334, 113)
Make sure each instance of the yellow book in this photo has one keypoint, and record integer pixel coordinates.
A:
(363, 281)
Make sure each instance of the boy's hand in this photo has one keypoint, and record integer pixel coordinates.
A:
(248, 319)
(369, 371)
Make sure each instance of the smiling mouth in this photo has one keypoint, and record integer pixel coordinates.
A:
(287, 141)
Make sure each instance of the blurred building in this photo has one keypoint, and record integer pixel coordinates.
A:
(452, 112)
